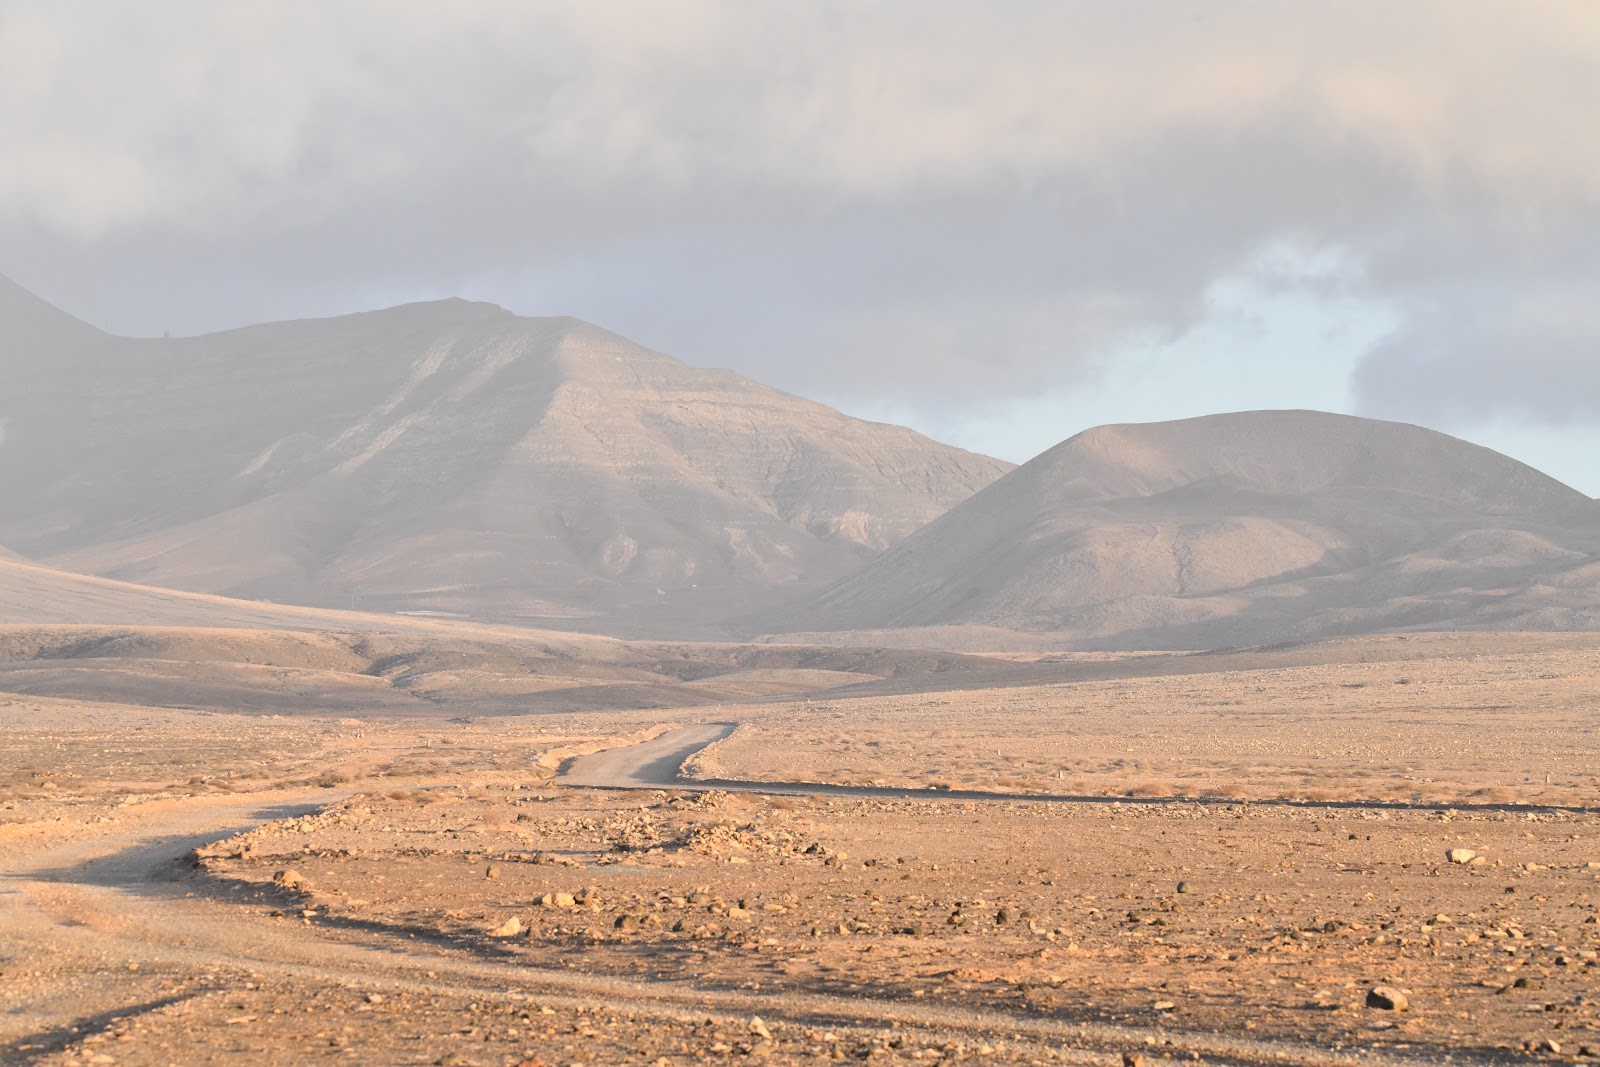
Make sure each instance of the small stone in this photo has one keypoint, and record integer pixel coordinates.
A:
(759, 1028)
(1461, 855)
(492, 872)
(1550, 1044)
(1388, 998)
(374, 998)
(510, 928)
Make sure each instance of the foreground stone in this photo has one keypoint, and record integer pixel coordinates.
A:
(1387, 998)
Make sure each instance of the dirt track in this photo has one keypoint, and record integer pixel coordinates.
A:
(116, 926)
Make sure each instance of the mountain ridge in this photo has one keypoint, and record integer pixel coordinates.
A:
(449, 456)
(1229, 529)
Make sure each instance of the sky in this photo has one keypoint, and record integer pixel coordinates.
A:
(998, 223)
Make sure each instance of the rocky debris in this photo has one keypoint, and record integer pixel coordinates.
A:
(1388, 998)
(510, 928)
(1461, 855)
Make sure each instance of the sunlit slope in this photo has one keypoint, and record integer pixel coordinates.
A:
(1241, 528)
(448, 456)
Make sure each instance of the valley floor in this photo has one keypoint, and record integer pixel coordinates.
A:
(183, 887)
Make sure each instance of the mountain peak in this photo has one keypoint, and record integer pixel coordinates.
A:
(1292, 451)
(452, 456)
(1239, 529)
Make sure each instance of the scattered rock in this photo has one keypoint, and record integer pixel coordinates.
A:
(510, 928)
(1387, 998)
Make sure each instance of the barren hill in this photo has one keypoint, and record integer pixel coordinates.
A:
(1241, 528)
(446, 457)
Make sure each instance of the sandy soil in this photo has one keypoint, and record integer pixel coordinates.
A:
(432, 892)
(1466, 719)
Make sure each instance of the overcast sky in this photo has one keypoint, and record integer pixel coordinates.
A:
(999, 222)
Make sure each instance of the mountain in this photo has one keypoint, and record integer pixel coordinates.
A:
(1238, 529)
(446, 457)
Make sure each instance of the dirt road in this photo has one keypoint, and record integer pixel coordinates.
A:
(114, 925)
(658, 764)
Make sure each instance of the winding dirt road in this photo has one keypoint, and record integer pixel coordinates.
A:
(114, 923)
(658, 764)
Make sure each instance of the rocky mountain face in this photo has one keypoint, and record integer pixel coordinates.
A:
(446, 457)
(1237, 529)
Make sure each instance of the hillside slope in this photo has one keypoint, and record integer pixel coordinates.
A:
(448, 457)
(1241, 528)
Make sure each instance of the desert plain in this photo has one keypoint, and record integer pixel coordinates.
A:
(1378, 849)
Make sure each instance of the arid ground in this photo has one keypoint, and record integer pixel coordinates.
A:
(1244, 858)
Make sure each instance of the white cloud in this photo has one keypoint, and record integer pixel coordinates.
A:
(970, 200)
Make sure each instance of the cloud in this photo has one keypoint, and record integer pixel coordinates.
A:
(931, 200)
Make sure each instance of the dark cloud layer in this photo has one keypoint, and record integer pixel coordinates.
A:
(935, 200)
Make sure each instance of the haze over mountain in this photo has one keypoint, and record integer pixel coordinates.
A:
(1239, 529)
(445, 457)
